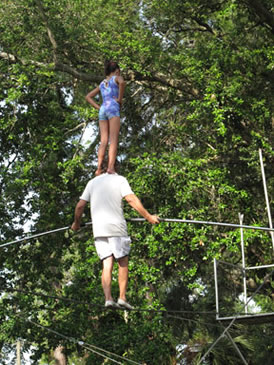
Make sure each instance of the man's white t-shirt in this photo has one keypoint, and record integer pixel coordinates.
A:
(105, 194)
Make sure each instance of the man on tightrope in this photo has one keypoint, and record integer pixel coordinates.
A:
(105, 194)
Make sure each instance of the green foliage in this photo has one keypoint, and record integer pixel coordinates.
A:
(198, 105)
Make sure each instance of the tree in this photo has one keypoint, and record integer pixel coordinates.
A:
(198, 106)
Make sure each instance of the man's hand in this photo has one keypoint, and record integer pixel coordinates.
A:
(75, 226)
(153, 219)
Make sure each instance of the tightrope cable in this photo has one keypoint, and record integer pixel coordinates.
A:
(193, 320)
(99, 306)
(165, 313)
(88, 346)
(96, 349)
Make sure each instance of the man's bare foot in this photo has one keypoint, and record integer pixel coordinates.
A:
(111, 171)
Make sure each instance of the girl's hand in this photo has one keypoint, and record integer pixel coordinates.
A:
(90, 96)
(118, 101)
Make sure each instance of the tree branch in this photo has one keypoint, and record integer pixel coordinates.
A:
(262, 12)
(185, 87)
(204, 25)
(13, 59)
(181, 29)
(57, 66)
(77, 74)
(8, 56)
(50, 33)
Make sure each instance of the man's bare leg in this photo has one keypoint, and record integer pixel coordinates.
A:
(123, 276)
(107, 276)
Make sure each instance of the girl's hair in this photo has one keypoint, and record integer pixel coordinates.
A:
(111, 66)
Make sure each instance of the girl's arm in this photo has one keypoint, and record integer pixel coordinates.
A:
(121, 83)
(91, 95)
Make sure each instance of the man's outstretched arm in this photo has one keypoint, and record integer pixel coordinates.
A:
(79, 210)
(136, 204)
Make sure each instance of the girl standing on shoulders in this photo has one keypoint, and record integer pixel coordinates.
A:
(112, 90)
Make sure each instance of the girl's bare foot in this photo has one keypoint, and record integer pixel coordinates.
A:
(98, 172)
(111, 171)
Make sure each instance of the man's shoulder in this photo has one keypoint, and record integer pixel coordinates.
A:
(111, 176)
(94, 180)
(108, 178)
(121, 178)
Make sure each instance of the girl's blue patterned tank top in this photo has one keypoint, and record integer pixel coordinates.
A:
(109, 89)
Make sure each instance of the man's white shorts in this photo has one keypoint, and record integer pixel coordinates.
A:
(116, 246)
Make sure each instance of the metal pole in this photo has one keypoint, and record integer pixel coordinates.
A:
(258, 267)
(266, 197)
(216, 288)
(18, 355)
(241, 217)
(206, 223)
(26, 238)
(236, 348)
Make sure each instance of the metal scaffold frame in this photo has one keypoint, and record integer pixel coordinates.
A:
(245, 268)
(262, 317)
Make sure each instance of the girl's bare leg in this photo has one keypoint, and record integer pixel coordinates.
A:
(114, 128)
(104, 132)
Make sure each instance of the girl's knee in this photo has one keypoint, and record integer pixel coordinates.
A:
(113, 142)
(104, 144)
